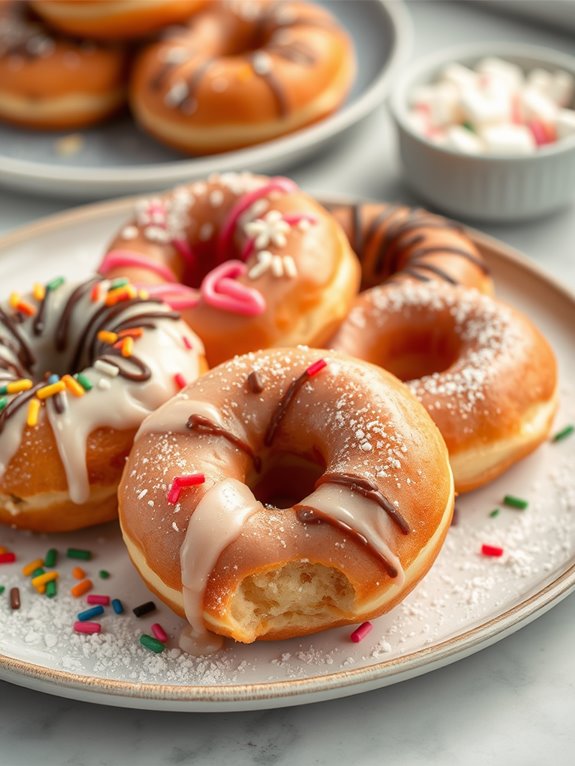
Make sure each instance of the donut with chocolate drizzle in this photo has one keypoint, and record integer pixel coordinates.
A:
(320, 501)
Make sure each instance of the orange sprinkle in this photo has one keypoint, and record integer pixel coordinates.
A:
(81, 588)
(32, 567)
(3, 550)
(47, 391)
(107, 337)
(78, 573)
(26, 308)
(73, 386)
(133, 332)
(121, 294)
(127, 347)
(96, 292)
(40, 588)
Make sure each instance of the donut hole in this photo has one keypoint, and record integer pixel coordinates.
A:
(298, 593)
(417, 351)
(286, 478)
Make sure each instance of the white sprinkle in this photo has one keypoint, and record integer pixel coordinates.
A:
(277, 266)
(142, 494)
(106, 368)
(129, 232)
(104, 384)
(290, 269)
(216, 197)
(176, 55)
(177, 94)
(262, 265)
(206, 231)
(261, 63)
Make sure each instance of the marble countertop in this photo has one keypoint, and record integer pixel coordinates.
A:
(512, 703)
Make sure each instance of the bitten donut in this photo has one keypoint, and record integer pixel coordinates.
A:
(115, 19)
(242, 73)
(482, 370)
(81, 365)
(51, 82)
(285, 492)
(252, 262)
(395, 242)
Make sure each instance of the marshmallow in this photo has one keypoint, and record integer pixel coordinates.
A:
(485, 107)
(507, 74)
(460, 76)
(441, 102)
(508, 139)
(565, 123)
(562, 89)
(463, 140)
(537, 106)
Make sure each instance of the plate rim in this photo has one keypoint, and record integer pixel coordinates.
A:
(291, 691)
(18, 171)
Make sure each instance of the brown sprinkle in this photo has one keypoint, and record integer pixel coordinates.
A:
(14, 598)
(254, 383)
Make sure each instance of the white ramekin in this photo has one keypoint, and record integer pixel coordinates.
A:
(484, 187)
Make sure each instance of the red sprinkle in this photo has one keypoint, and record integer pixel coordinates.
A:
(314, 368)
(87, 627)
(159, 632)
(187, 342)
(180, 381)
(491, 550)
(360, 633)
(189, 480)
(7, 558)
(94, 598)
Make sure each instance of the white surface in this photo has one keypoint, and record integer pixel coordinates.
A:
(512, 703)
(118, 158)
(465, 603)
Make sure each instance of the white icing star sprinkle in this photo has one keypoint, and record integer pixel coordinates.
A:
(269, 230)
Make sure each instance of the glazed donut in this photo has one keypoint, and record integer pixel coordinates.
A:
(290, 490)
(292, 275)
(397, 242)
(482, 370)
(242, 73)
(81, 365)
(114, 19)
(51, 82)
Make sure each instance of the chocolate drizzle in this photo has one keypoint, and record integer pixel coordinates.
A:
(254, 383)
(283, 405)
(188, 104)
(61, 334)
(17, 402)
(368, 489)
(307, 515)
(275, 86)
(204, 425)
(24, 352)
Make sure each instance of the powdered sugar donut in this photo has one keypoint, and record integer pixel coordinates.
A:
(481, 369)
(252, 262)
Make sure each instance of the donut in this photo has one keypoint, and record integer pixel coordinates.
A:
(49, 81)
(252, 262)
(81, 365)
(395, 242)
(482, 370)
(114, 19)
(242, 73)
(290, 490)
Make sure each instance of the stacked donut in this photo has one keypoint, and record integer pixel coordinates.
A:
(203, 77)
(292, 487)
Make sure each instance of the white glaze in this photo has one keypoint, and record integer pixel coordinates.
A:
(121, 405)
(174, 415)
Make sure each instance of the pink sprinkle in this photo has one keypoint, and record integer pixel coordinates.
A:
(87, 627)
(491, 550)
(180, 381)
(187, 343)
(314, 368)
(159, 632)
(174, 493)
(93, 598)
(360, 633)
(539, 132)
(189, 480)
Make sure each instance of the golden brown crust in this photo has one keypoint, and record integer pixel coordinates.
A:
(350, 418)
(235, 78)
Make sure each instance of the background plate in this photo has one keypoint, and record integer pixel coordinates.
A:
(464, 604)
(117, 158)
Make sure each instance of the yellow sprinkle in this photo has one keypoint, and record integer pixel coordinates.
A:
(143, 294)
(51, 390)
(39, 292)
(17, 386)
(42, 579)
(73, 386)
(32, 566)
(40, 588)
(127, 347)
(107, 337)
(33, 412)
(14, 300)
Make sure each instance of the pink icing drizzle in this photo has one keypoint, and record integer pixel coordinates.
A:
(246, 201)
(118, 259)
(220, 290)
(178, 297)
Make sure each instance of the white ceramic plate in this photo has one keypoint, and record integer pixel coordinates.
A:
(118, 158)
(465, 603)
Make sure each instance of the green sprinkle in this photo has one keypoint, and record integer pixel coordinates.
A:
(515, 502)
(79, 553)
(83, 381)
(38, 572)
(4, 389)
(2, 589)
(152, 643)
(3, 403)
(468, 126)
(51, 558)
(104, 574)
(563, 434)
(122, 282)
(51, 588)
(494, 513)
(55, 283)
